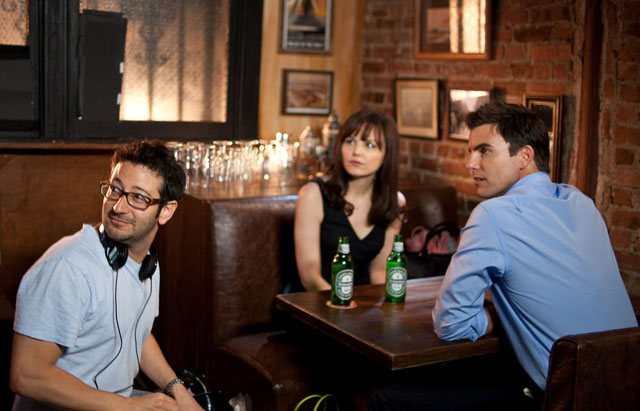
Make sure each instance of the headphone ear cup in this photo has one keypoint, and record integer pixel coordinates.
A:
(116, 253)
(149, 264)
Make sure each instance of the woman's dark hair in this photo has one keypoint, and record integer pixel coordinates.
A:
(519, 127)
(155, 156)
(384, 201)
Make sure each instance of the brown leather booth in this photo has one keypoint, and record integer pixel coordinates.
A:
(595, 371)
(224, 258)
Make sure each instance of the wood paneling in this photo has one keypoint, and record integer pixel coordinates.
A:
(345, 61)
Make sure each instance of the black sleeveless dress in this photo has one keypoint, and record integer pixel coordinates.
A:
(335, 224)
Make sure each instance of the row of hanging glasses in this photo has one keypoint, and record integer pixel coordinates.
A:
(225, 161)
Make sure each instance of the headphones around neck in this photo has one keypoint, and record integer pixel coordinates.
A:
(117, 254)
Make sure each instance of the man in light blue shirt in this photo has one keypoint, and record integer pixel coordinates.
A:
(541, 249)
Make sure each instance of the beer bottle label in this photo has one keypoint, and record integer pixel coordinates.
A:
(396, 281)
(344, 284)
(344, 248)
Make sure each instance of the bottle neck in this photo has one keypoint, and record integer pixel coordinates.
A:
(343, 248)
(398, 247)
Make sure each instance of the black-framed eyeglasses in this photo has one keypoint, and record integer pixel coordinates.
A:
(135, 200)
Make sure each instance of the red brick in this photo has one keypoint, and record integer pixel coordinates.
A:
(622, 197)
(630, 12)
(422, 163)
(459, 153)
(385, 52)
(606, 125)
(607, 90)
(401, 68)
(553, 13)
(629, 92)
(627, 178)
(513, 17)
(627, 219)
(466, 186)
(562, 71)
(504, 35)
(458, 69)
(494, 70)
(563, 31)
(549, 87)
(628, 260)
(455, 168)
(531, 71)
(513, 88)
(620, 239)
(551, 52)
(373, 67)
(627, 135)
(629, 53)
(414, 147)
(628, 71)
(428, 148)
(514, 52)
(631, 29)
(443, 151)
(624, 157)
(626, 114)
(532, 34)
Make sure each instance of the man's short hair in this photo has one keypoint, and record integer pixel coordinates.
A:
(519, 127)
(157, 157)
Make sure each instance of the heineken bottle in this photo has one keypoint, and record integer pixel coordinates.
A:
(342, 274)
(396, 285)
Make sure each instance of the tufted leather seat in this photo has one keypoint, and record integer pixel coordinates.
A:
(595, 371)
(228, 259)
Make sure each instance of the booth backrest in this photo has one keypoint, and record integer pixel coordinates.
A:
(595, 371)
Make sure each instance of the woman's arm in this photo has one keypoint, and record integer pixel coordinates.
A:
(306, 232)
(378, 268)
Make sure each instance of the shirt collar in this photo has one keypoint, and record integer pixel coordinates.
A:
(535, 178)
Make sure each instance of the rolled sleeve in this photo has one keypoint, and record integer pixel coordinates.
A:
(458, 312)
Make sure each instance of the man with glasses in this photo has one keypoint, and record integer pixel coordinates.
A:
(85, 309)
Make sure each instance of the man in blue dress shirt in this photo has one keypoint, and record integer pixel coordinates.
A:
(541, 249)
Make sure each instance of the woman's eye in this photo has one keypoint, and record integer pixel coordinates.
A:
(371, 144)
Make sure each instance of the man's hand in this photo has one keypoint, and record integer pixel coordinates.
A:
(185, 400)
(150, 402)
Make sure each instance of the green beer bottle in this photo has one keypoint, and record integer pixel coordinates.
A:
(342, 274)
(396, 284)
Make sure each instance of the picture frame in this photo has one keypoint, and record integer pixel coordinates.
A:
(549, 108)
(417, 107)
(460, 102)
(449, 29)
(307, 92)
(306, 26)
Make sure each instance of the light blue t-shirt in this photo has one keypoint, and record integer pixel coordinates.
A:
(543, 252)
(67, 297)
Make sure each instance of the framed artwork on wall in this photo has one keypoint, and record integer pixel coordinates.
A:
(306, 26)
(549, 108)
(462, 101)
(307, 92)
(451, 29)
(417, 107)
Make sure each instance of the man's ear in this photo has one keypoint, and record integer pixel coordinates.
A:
(167, 212)
(526, 155)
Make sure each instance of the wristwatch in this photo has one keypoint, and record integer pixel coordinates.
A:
(171, 384)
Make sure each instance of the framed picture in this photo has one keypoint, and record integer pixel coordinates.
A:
(549, 108)
(462, 101)
(451, 29)
(306, 26)
(417, 107)
(307, 92)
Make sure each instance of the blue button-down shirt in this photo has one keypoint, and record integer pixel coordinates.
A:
(543, 252)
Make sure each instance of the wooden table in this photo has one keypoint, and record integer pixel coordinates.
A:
(397, 336)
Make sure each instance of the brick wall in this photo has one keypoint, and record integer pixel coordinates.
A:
(618, 196)
(537, 47)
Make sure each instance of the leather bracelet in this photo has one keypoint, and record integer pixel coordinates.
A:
(167, 389)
